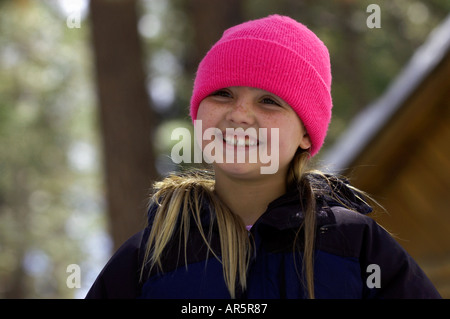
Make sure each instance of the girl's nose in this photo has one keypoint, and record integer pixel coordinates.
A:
(241, 112)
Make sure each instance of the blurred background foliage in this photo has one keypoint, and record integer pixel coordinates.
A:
(52, 193)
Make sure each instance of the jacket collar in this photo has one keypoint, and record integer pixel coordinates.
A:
(286, 211)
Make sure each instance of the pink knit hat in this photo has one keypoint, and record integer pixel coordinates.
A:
(276, 54)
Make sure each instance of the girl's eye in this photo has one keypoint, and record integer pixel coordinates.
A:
(221, 93)
(268, 100)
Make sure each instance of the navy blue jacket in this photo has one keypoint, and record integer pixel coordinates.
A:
(351, 251)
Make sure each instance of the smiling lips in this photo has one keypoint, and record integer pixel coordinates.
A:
(240, 140)
(240, 137)
(242, 146)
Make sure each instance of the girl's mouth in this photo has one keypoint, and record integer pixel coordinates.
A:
(235, 140)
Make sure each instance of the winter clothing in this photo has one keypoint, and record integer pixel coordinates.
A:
(348, 246)
(276, 54)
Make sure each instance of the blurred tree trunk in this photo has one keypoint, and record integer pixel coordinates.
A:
(125, 115)
(209, 18)
(352, 55)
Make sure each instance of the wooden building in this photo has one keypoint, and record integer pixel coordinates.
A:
(398, 150)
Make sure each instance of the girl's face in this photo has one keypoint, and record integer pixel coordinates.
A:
(260, 115)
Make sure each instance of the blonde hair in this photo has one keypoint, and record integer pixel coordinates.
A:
(185, 193)
(179, 199)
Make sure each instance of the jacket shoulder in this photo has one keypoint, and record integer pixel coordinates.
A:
(120, 276)
(352, 234)
(343, 230)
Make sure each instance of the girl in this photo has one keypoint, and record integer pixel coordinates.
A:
(234, 232)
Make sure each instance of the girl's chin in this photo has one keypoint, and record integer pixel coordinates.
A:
(243, 170)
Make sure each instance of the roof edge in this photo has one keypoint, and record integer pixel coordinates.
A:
(365, 125)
